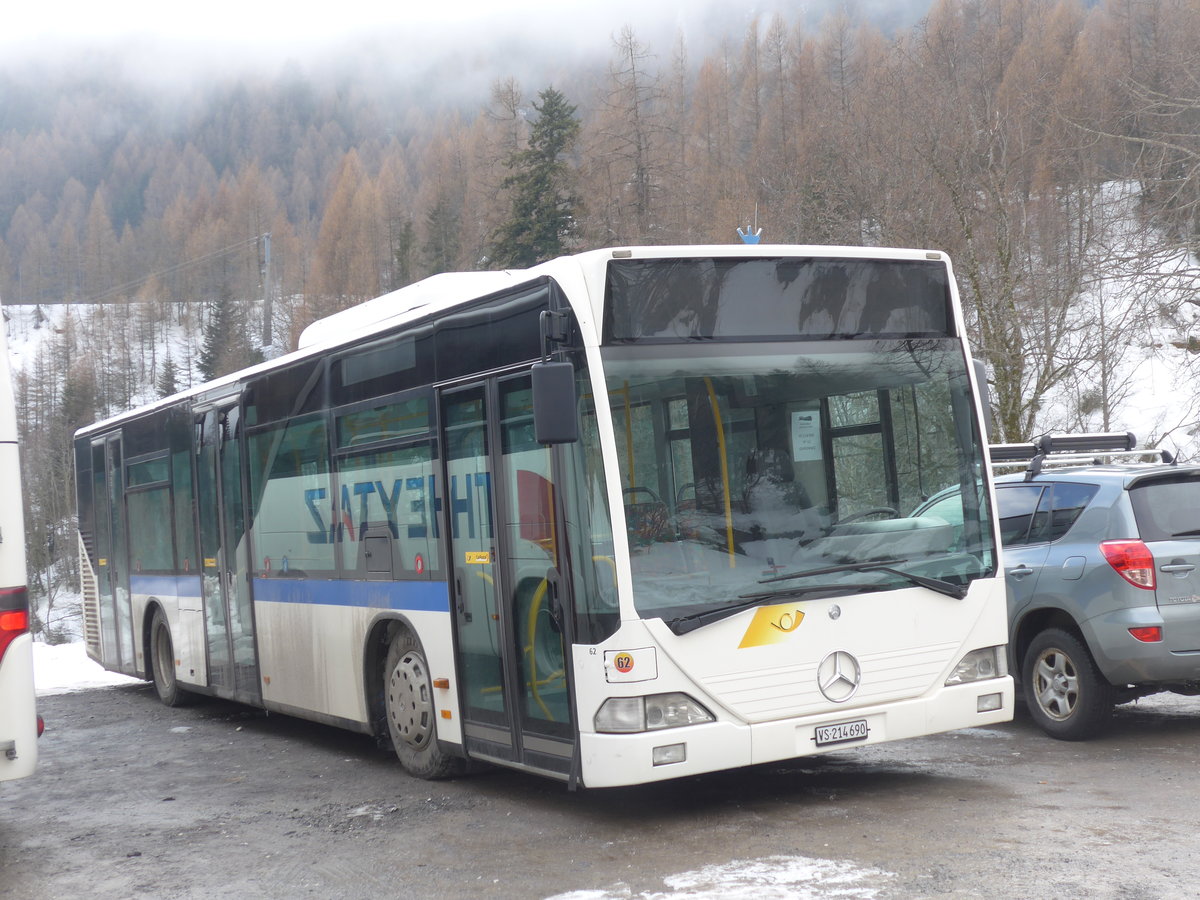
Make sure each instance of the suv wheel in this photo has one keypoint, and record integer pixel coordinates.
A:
(1066, 694)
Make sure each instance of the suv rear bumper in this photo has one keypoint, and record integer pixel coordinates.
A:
(1123, 659)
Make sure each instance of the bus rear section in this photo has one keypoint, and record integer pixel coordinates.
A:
(19, 723)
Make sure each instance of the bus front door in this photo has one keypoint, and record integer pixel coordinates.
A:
(504, 533)
(228, 611)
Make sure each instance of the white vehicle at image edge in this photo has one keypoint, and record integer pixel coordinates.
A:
(20, 724)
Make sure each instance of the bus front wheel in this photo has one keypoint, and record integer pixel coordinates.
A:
(411, 717)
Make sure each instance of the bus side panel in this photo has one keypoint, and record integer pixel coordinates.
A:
(179, 599)
(138, 610)
(312, 636)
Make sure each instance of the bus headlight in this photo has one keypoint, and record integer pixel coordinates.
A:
(979, 665)
(628, 715)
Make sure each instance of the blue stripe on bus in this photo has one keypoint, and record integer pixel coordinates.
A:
(431, 596)
(165, 585)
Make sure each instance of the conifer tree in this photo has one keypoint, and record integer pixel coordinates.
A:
(442, 244)
(168, 377)
(226, 347)
(544, 205)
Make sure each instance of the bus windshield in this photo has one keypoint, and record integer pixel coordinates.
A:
(809, 469)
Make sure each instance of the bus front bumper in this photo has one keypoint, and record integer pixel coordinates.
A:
(612, 760)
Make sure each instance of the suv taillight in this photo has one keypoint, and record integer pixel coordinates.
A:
(1132, 560)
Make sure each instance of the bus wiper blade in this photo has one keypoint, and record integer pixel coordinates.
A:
(692, 621)
(957, 591)
(685, 624)
(830, 570)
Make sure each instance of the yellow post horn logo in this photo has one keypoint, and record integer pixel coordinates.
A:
(770, 625)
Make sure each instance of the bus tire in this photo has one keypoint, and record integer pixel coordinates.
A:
(162, 662)
(1067, 696)
(410, 713)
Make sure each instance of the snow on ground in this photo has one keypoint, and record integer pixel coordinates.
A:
(64, 668)
(791, 877)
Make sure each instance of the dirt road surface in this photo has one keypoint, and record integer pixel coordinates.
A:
(132, 799)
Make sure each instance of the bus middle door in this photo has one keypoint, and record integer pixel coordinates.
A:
(229, 613)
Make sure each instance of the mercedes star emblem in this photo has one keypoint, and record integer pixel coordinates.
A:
(838, 676)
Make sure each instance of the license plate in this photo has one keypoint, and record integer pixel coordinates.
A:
(841, 733)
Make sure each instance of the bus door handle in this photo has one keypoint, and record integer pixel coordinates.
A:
(460, 597)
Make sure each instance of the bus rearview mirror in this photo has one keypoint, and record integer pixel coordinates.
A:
(554, 418)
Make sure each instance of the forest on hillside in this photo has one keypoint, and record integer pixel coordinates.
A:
(1046, 145)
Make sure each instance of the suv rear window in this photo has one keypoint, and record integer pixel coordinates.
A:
(1069, 501)
(1037, 513)
(1167, 508)
(1017, 507)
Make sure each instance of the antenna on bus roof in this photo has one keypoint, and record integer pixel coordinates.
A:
(751, 236)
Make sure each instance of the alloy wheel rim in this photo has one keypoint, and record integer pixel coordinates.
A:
(1056, 684)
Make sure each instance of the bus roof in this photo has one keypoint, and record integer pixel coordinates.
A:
(447, 290)
(451, 288)
(435, 291)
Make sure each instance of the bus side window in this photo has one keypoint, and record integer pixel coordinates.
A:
(293, 531)
(389, 529)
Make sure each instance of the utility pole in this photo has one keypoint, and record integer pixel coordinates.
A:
(266, 288)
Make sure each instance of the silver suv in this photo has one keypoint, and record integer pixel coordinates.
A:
(1102, 563)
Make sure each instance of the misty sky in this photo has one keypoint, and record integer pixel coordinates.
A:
(32, 25)
(452, 49)
(228, 19)
(167, 41)
(245, 21)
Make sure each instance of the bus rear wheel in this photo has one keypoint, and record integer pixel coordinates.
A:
(162, 662)
(410, 713)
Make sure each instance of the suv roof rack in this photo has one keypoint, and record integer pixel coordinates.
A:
(1072, 449)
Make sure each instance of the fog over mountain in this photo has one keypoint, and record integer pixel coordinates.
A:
(448, 52)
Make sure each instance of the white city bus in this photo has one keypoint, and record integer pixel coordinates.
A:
(19, 722)
(625, 516)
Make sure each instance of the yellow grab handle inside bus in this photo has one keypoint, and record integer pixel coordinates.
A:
(535, 607)
(716, 411)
